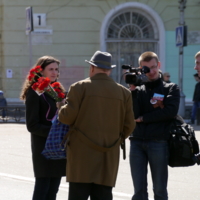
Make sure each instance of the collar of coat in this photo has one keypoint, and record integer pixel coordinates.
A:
(153, 84)
(101, 76)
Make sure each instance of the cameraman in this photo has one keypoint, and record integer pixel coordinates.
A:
(155, 104)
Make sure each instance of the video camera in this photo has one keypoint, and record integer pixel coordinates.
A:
(136, 76)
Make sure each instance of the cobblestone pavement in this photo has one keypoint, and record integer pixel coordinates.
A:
(17, 181)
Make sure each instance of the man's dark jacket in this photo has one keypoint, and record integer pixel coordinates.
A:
(156, 121)
(196, 96)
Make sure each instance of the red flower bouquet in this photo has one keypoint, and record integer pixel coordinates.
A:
(43, 84)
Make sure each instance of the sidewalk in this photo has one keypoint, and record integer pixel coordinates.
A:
(17, 180)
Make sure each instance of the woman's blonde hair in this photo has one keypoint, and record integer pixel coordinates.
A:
(43, 62)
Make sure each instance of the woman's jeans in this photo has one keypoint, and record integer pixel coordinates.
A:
(46, 188)
(155, 153)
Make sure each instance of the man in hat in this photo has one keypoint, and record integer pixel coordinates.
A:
(99, 112)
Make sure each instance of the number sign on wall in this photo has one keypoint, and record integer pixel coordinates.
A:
(39, 19)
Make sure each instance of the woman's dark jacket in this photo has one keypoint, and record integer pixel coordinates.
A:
(37, 123)
(156, 121)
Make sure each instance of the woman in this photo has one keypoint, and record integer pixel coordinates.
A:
(40, 109)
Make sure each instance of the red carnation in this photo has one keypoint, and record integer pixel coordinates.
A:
(38, 69)
(31, 77)
(35, 86)
(61, 95)
(40, 79)
(55, 85)
(32, 72)
(58, 90)
(44, 83)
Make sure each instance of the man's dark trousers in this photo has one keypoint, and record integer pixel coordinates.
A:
(82, 191)
(155, 153)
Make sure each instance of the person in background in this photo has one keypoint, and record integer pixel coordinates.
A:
(196, 99)
(99, 112)
(40, 109)
(166, 77)
(3, 104)
(197, 63)
(155, 104)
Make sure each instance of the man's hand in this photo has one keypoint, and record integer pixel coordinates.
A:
(132, 87)
(139, 119)
(158, 104)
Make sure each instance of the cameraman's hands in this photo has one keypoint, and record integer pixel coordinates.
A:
(139, 119)
(158, 104)
(132, 87)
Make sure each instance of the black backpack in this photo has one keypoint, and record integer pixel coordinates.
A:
(182, 144)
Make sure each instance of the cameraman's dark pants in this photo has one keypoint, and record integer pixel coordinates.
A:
(82, 191)
(154, 153)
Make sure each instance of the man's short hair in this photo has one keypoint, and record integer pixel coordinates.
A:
(147, 56)
(101, 69)
(197, 54)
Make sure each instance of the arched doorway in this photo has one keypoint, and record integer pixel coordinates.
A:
(129, 30)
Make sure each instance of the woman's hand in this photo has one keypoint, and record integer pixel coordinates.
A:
(60, 104)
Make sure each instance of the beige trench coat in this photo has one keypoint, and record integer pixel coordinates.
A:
(98, 110)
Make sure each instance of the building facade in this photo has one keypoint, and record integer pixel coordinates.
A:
(72, 30)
